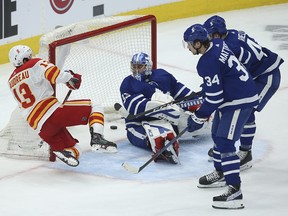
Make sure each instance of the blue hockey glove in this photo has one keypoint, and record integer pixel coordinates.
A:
(195, 123)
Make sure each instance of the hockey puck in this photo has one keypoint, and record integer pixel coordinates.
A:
(113, 127)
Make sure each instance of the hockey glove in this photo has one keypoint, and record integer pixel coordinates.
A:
(75, 82)
(195, 123)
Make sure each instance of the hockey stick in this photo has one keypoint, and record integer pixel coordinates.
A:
(67, 96)
(118, 106)
(189, 103)
(182, 104)
(136, 170)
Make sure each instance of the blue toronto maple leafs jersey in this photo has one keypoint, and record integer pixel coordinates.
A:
(257, 59)
(135, 94)
(227, 83)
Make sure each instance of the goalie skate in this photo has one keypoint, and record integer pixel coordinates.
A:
(67, 157)
(168, 156)
(171, 153)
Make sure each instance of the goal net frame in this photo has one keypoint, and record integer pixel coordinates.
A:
(86, 35)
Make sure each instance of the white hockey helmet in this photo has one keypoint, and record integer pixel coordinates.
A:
(18, 53)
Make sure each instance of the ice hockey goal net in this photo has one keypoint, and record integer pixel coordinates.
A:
(100, 49)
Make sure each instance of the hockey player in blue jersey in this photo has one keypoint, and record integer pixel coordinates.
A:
(230, 93)
(145, 89)
(262, 64)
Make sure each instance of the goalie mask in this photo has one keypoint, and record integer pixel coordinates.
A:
(141, 66)
(18, 53)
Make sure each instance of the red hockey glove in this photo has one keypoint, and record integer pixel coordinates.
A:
(75, 82)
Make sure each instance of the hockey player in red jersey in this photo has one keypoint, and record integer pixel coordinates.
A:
(32, 83)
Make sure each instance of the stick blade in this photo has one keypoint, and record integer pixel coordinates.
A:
(131, 168)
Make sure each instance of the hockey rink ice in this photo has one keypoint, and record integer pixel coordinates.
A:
(99, 186)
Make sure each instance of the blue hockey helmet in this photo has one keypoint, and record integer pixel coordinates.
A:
(215, 24)
(195, 32)
(141, 66)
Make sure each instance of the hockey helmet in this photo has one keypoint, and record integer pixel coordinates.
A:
(215, 24)
(195, 32)
(18, 53)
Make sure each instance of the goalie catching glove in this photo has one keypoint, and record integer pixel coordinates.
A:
(75, 82)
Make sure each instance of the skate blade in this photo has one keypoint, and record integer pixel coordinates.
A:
(214, 185)
(109, 149)
(233, 204)
(246, 166)
(73, 162)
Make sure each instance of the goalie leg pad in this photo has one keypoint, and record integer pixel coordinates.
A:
(176, 145)
(159, 133)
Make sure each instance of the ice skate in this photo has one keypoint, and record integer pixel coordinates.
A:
(67, 157)
(170, 154)
(100, 144)
(210, 155)
(212, 180)
(170, 157)
(245, 159)
(231, 199)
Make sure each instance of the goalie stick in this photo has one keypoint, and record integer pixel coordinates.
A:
(182, 104)
(136, 170)
(118, 106)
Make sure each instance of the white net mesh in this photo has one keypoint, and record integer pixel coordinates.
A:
(18, 139)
